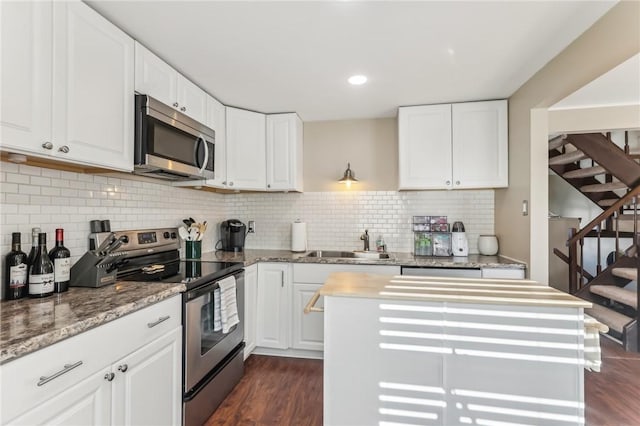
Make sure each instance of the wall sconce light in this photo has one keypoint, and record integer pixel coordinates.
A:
(348, 177)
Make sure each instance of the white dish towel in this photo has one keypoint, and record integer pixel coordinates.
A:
(217, 322)
(228, 306)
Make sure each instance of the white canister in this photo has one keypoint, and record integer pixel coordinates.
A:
(298, 236)
(488, 245)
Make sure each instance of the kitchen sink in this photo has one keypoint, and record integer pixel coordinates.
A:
(348, 254)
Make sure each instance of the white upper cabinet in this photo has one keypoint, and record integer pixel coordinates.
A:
(246, 150)
(480, 144)
(77, 108)
(93, 97)
(25, 91)
(284, 152)
(424, 140)
(453, 146)
(216, 119)
(156, 78)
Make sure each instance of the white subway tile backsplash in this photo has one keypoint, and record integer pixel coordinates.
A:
(34, 196)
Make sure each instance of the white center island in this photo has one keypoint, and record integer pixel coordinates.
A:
(403, 350)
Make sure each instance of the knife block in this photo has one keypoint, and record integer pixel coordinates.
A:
(92, 270)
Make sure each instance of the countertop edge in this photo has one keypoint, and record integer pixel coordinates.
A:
(49, 338)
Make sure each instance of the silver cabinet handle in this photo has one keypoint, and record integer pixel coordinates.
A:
(161, 319)
(176, 105)
(230, 183)
(269, 186)
(457, 182)
(183, 109)
(67, 367)
(109, 376)
(64, 149)
(224, 182)
(123, 367)
(448, 182)
(47, 145)
(282, 279)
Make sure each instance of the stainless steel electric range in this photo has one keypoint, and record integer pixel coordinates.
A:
(212, 360)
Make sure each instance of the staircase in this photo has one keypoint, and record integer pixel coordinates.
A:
(609, 176)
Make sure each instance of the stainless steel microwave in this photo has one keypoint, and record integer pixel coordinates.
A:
(170, 145)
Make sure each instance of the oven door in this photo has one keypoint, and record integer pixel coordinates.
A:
(205, 348)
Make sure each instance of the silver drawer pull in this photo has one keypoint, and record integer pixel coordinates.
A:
(67, 367)
(161, 319)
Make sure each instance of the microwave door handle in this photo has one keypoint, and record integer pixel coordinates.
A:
(206, 154)
(196, 148)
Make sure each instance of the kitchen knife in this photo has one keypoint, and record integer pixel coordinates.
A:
(117, 243)
(107, 241)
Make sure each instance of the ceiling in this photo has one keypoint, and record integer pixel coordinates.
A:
(618, 87)
(297, 55)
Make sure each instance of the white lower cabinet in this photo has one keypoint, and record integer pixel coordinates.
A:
(282, 293)
(125, 372)
(250, 308)
(307, 330)
(274, 304)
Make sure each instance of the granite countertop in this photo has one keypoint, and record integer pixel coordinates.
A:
(462, 290)
(251, 256)
(27, 325)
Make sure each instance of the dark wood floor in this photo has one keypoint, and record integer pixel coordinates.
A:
(288, 391)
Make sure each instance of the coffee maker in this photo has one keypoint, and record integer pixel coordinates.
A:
(459, 243)
(232, 235)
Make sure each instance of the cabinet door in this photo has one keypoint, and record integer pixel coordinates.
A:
(273, 305)
(284, 152)
(480, 144)
(424, 139)
(25, 79)
(250, 308)
(148, 383)
(192, 100)
(216, 119)
(93, 96)
(86, 403)
(154, 77)
(308, 329)
(246, 151)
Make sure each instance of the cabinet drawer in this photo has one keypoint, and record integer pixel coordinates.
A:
(503, 273)
(317, 273)
(68, 362)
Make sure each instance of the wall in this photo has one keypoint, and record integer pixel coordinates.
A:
(609, 42)
(335, 220)
(370, 145)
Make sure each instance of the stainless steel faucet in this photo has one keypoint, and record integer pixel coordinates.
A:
(365, 237)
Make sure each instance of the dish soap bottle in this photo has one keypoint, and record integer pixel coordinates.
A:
(380, 246)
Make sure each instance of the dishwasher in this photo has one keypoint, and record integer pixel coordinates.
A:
(441, 272)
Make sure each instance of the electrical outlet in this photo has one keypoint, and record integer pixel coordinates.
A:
(252, 227)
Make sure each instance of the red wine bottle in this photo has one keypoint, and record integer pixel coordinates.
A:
(16, 270)
(41, 271)
(61, 257)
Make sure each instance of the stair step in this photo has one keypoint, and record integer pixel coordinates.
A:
(568, 158)
(558, 142)
(603, 187)
(629, 217)
(584, 173)
(627, 297)
(615, 320)
(628, 273)
(608, 202)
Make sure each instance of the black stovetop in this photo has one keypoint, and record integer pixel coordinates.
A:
(193, 273)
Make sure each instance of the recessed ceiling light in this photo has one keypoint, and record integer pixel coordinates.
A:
(357, 80)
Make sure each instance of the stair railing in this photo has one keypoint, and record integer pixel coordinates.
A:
(576, 238)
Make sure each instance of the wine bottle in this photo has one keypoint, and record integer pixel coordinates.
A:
(61, 257)
(41, 271)
(16, 270)
(34, 245)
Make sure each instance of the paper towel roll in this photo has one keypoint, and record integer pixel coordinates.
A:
(298, 236)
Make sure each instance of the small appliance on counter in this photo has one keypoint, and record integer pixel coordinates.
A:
(232, 235)
(431, 236)
(459, 243)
